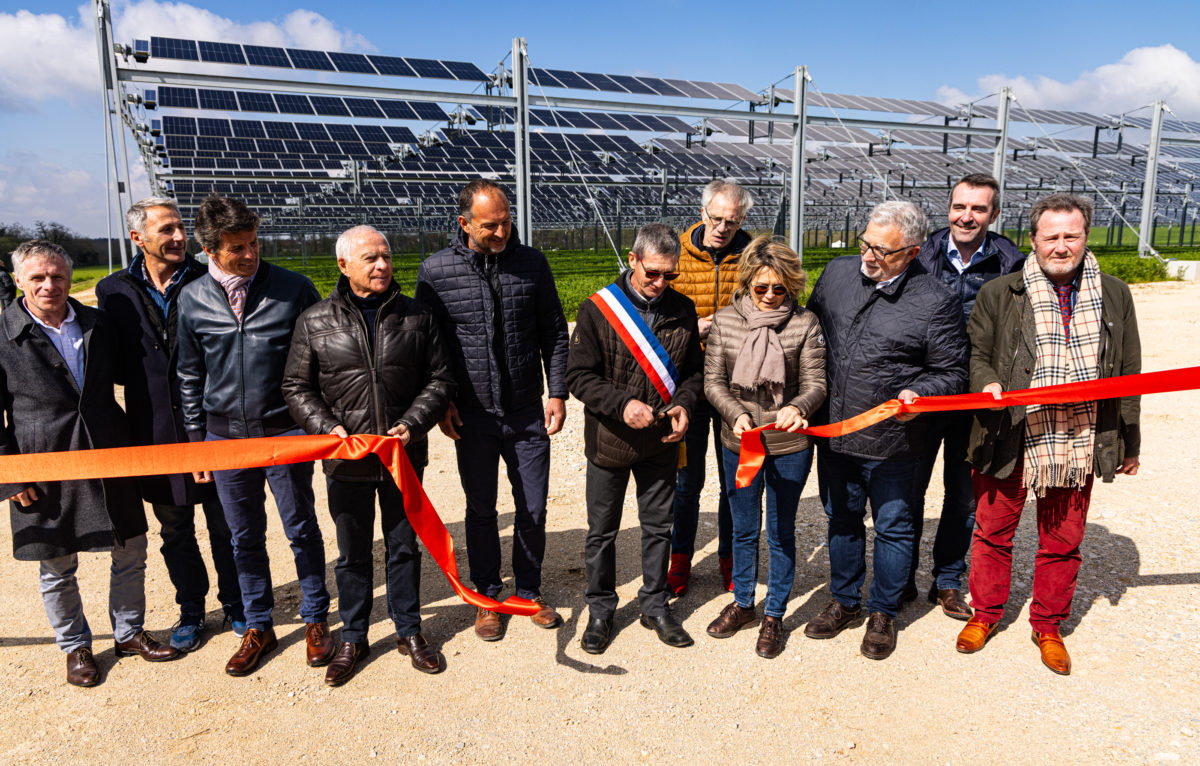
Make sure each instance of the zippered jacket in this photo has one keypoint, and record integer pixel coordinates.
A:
(230, 374)
(334, 377)
(708, 284)
(1000, 257)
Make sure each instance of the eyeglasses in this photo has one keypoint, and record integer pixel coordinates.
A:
(877, 252)
(775, 289)
(652, 275)
(717, 223)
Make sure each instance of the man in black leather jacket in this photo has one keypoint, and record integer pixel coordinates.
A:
(369, 359)
(235, 326)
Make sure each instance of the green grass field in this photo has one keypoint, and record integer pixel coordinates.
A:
(579, 273)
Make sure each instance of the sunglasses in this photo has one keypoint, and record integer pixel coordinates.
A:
(774, 289)
(652, 275)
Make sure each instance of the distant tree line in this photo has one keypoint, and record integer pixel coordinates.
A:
(84, 251)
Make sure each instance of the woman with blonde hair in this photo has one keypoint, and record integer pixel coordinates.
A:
(765, 363)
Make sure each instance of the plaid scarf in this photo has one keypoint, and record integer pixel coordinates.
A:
(1059, 438)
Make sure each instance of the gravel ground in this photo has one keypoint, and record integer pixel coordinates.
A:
(537, 695)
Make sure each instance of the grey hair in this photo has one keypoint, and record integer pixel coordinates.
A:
(735, 192)
(904, 215)
(38, 248)
(342, 246)
(656, 239)
(135, 216)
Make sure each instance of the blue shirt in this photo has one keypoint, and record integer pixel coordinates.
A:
(67, 339)
(955, 256)
(163, 299)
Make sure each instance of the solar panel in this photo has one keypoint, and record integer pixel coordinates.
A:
(280, 129)
(312, 131)
(243, 145)
(392, 65)
(688, 88)
(179, 126)
(427, 111)
(298, 147)
(340, 132)
(632, 84)
(325, 147)
(429, 68)
(662, 87)
(251, 101)
(351, 62)
(247, 128)
(602, 82)
(397, 110)
(293, 103)
(363, 107)
(371, 133)
(217, 99)
(210, 144)
(605, 120)
(329, 105)
(174, 143)
(570, 79)
(173, 48)
(464, 70)
(543, 78)
(262, 55)
(183, 98)
(270, 145)
(306, 59)
(210, 127)
(225, 53)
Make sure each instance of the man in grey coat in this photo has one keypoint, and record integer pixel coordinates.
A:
(57, 370)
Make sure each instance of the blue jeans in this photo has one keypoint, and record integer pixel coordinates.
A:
(783, 479)
(520, 438)
(244, 499)
(126, 595)
(953, 540)
(352, 506)
(185, 564)
(690, 482)
(846, 484)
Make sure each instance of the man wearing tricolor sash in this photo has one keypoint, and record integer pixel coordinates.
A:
(1059, 320)
(636, 364)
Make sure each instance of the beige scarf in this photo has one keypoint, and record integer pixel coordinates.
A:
(760, 361)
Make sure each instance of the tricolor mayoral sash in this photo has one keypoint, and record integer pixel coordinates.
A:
(637, 336)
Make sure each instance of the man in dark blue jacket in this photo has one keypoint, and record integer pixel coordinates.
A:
(235, 328)
(963, 256)
(503, 323)
(892, 332)
(141, 302)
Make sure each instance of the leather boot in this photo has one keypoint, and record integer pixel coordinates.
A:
(678, 574)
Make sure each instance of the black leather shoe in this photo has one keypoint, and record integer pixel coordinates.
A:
(670, 631)
(833, 619)
(597, 635)
(951, 601)
(880, 639)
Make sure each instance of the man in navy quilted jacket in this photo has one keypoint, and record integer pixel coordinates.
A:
(500, 314)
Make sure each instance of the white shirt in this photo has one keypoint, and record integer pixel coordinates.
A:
(886, 282)
(955, 258)
(68, 339)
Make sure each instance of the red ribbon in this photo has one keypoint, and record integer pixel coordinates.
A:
(750, 459)
(255, 453)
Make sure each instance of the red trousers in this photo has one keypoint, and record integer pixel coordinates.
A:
(1061, 519)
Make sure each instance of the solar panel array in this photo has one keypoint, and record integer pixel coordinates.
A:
(276, 149)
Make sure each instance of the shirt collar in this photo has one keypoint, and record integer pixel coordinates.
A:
(886, 282)
(952, 250)
(69, 319)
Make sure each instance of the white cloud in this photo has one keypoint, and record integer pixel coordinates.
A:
(1139, 78)
(47, 55)
(36, 190)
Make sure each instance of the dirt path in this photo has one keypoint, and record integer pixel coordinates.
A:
(535, 696)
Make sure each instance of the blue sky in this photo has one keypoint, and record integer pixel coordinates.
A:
(1099, 56)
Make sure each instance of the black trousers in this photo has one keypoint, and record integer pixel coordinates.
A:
(352, 506)
(654, 481)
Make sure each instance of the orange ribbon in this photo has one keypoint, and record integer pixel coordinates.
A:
(256, 453)
(752, 453)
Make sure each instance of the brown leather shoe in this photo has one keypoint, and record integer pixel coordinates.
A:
(319, 643)
(1054, 652)
(730, 620)
(545, 617)
(81, 668)
(951, 602)
(424, 657)
(833, 619)
(488, 625)
(144, 645)
(974, 635)
(770, 638)
(255, 644)
(344, 661)
(880, 639)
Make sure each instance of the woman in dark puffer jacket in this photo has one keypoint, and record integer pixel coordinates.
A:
(765, 363)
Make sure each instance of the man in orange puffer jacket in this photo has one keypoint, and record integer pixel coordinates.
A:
(708, 268)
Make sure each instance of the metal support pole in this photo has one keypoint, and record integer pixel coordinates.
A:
(421, 225)
(112, 95)
(1146, 225)
(998, 159)
(1187, 197)
(796, 214)
(520, 75)
(620, 232)
(663, 214)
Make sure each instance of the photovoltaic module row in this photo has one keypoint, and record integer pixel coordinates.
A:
(292, 103)
(298, 58)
